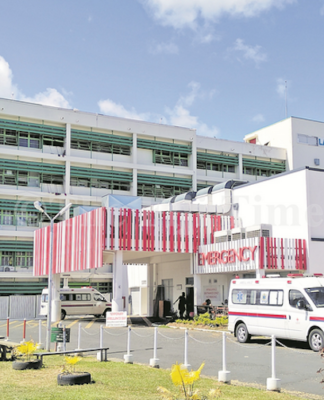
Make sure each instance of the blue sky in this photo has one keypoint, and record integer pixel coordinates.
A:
(219, 66)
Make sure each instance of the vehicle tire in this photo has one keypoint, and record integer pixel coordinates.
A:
(77, 378)
(105, 313)
(242, 333)
(33, 364)
(98, 315)
(63, 314)
(316, 340)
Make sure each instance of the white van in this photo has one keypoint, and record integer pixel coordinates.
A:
(83, 301)
(288, 308)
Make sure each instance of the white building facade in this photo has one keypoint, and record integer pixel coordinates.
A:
(60, 156)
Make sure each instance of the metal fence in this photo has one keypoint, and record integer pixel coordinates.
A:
(20, 307)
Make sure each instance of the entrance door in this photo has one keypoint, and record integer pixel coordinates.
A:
(190, 300)
(136, 301)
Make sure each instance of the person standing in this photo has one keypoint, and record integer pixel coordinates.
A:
(182, 304)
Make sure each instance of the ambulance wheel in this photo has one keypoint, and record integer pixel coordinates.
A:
(63, 314)
(242, 333)
(316, 340)
(106, 311)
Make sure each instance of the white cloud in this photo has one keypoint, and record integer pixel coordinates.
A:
(258, 118)
(166, 48)
(187, 13)
(281, 87)
(8, 89)
(179, 115)
(250, 52)
(117, 110)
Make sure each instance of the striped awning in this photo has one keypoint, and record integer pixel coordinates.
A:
(78, 244)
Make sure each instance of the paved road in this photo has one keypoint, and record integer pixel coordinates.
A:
(296, 365)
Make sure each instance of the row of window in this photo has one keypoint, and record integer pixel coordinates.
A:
(22, 259)
(11, 137)
(160, 191)
(36, 141)
(22, 218)
(170, 158)
(100, 184)
(259, 171)
(27, 178)
(267, 297)
(208, 166)
(100, 147)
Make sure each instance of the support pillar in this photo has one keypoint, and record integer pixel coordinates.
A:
(197, 290)
(150, 289)
(117, 301)
(56, 302)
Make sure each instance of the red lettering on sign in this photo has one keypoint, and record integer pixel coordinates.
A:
(227, 256)
(224, 257)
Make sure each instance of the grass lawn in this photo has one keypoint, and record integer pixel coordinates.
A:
(113, 381)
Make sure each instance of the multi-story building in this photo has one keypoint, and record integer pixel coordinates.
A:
(60, 156)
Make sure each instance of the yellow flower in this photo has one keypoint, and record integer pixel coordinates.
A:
(72, 360)
(27, 348)
(177, 374)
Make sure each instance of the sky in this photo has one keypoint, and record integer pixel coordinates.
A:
(223, 67)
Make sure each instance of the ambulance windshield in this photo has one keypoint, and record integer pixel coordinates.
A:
(317, 295)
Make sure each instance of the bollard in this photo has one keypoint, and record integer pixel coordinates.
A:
(79, 336)
(24, 330)
(7, 329)
(154, 362)
(224, 376)
(186, 364)
(40, 345)
(273, 383)
(100, 353)
(128, 358)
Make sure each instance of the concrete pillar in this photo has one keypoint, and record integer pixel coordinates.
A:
(240, 166)
(150, 289)
(56, 302)
(197, 290)
(117, 301)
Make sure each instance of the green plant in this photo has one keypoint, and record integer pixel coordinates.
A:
(26, 349)
(185, 380)
(69, 365)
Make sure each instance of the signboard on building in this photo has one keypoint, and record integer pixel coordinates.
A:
(116, 319)
(252, 254)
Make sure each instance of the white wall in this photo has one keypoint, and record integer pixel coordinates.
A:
(280, 201)
(304, 154)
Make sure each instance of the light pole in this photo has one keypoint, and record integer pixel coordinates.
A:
(39, 206)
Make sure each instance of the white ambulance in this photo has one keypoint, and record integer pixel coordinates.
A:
(288, 308)
(83, 301)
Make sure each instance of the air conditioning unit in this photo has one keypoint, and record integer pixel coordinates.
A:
(222, 236)
(263, 230)
(238, 233)
(9, 269)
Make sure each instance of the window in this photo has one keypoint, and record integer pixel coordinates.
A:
(100, 183)
(170, 158)
(6, 217)
(295, 296)
(160, 191)
(264, 297)
(101, 147)
(31, 140)
(214, 166)
(6, 258)
(317, 295)
(24, 259)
